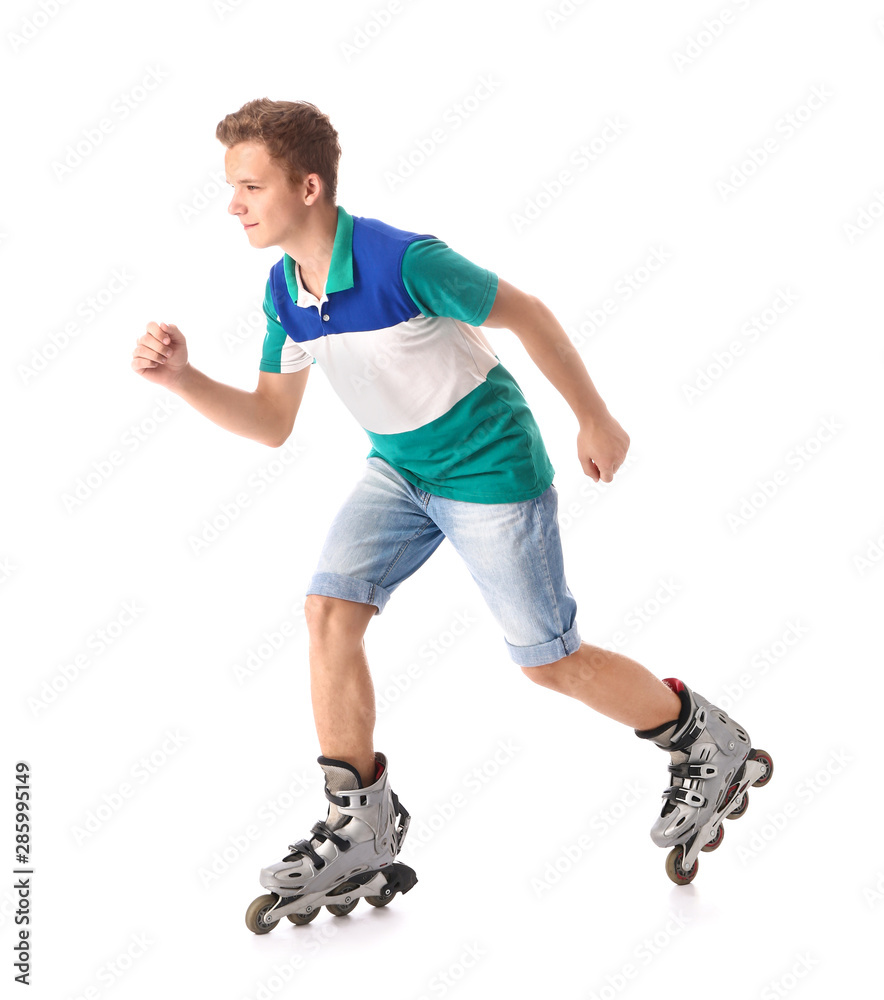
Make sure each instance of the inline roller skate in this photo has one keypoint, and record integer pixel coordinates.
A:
(713, 765)
(350, 854)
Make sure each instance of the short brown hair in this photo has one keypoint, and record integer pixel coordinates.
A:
(296, 133)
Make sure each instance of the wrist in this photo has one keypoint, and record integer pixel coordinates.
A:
(591, 417)
(183, 380)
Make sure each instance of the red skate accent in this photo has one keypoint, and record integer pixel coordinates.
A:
(674, 683)
(379, 770)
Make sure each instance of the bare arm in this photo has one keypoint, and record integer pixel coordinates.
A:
(266, 415)
(601, 442)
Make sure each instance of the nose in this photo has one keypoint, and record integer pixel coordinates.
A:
(235, 208)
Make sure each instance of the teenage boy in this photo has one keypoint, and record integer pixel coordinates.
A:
(393, 318)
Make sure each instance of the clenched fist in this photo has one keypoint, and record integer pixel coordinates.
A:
(160, 355)
(602, 447)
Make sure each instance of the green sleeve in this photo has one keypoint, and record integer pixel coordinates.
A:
(275, 341)
(443, 283)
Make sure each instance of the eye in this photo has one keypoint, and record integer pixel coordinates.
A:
(252, 187)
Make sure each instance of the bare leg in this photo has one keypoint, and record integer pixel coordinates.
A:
(611, 684)
(340, 683)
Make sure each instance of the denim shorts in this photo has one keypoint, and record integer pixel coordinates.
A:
(387, 528)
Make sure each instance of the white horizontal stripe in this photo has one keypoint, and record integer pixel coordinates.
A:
(399, 378)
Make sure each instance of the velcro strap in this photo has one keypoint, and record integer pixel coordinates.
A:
(690, 797)
(306, 848)
(404, 820)
(693, 731)
(686, 770)
(357, 797)
(322, 832)
(703, 770)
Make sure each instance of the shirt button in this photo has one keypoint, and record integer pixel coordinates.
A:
(325, 315)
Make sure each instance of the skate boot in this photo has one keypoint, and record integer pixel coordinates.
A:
(350, 854)
(713, 764)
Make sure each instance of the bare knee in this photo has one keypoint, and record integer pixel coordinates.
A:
(334, 615)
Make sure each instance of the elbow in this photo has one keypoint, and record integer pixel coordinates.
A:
(276, 442)
(278, 439)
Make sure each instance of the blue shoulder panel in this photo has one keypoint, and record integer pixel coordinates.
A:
(378, 298)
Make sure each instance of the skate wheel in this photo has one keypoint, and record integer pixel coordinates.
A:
(380, 900)
(342, 909)
(741, 808)
(674, 867)
(715, 841)
(767, 760)
(303, 918)
(257, 911)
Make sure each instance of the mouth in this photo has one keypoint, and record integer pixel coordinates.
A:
(250, 225)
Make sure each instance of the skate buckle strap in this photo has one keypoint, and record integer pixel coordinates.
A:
(695, 728)
(306, 848)
(404, 820)
(356, 797)
(686, 795)
(686, 770)
(322, 833)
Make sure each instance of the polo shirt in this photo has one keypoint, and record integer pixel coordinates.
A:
(396, 331)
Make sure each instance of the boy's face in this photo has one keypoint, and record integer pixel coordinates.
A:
(270, 209)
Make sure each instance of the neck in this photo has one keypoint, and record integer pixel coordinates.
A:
(313, 244)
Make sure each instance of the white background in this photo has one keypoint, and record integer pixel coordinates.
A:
(166, 772)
